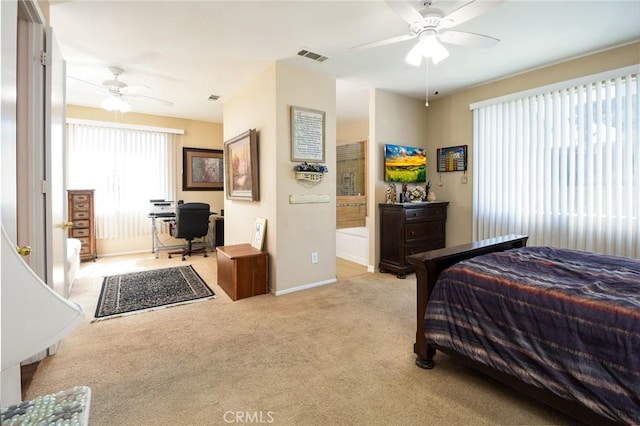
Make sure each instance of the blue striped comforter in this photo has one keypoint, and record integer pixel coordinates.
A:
(564, 320)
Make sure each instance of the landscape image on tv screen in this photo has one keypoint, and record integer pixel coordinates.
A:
(404, 164)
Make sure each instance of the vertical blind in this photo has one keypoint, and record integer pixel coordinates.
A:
(562, 166)
(126, 168)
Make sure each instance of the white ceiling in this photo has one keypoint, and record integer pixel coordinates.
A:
(185, 51)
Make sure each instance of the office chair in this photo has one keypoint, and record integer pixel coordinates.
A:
(192, 221)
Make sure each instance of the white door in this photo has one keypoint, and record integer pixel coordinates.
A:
(55, 167)
(8, 72)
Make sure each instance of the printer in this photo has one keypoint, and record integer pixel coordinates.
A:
(162, 208)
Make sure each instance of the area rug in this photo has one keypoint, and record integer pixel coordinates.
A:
(138, 292)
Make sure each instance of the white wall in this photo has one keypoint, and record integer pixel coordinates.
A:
(393, 119)
(293, 230)
(305, 228)
(450, 123)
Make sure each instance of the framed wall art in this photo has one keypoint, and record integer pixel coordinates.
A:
(202, 169)
(307, 134)
(241, 166)
(259, 231)
(452, 159)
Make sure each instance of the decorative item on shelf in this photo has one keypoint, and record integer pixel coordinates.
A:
(431, 196)
(391, 193)
(312, 172)
(427, 191)
(416, 194)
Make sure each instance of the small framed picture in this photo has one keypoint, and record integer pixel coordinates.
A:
(258, 233)
(452, 159)
(202, 169)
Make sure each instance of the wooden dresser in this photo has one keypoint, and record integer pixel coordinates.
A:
(409, 228)
(81, 214)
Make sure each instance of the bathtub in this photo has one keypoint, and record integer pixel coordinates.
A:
(352, 244)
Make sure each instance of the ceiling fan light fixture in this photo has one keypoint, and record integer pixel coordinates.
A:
(414, 57)
(113, 103)
(433, 49)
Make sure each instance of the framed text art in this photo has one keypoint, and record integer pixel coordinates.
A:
(202, 169)
(241, 166)
(452, 159)
(307, 134)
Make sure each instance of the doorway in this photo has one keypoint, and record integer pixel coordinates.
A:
(352, 235)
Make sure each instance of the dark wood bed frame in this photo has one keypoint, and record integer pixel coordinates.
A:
(428, 266)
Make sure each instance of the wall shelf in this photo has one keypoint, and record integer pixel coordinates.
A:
(310, 176)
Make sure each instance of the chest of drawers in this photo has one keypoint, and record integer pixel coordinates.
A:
(409, 228)
(81, 211)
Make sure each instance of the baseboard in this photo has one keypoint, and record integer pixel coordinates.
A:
(355, 259)
(305, 287)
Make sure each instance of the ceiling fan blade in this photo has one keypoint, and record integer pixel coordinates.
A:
(468, 11)
(462, 38)
(134, 89)
(406, 12)
(384, 42)
(86, 82)
(167, 103)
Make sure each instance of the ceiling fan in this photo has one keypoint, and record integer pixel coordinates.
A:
(118, 92)
(432, 27)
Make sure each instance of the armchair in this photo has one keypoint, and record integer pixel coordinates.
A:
(192, 221)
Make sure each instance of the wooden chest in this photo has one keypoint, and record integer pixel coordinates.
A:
(243, 271)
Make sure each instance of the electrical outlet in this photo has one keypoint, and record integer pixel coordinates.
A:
(314, 257)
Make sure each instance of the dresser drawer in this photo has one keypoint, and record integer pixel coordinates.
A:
(80, 215)
(77, 224)
(83, 232)
(436, 212)
(82, 206)
(421, 248)
(423, 230)
(80, 198)
(415, 214)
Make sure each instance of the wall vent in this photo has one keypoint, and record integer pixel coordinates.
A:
(312, 55)
(214, 97)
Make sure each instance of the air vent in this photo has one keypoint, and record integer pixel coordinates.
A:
(312, 55)
(214, 98)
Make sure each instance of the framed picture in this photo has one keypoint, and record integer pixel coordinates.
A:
(452, 159)
(241, 166)
(258, 233)
(307, 134)
(202, 169)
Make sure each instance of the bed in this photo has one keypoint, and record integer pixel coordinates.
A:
(562, 326)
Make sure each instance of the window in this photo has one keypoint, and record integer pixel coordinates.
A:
(127, 167)
(561, 165)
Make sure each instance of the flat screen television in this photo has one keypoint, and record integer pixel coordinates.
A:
(404, 164)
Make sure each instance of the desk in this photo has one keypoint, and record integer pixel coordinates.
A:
(213, 237)
(156, 244)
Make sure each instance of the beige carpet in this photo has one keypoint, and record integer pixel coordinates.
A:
(341, 354)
